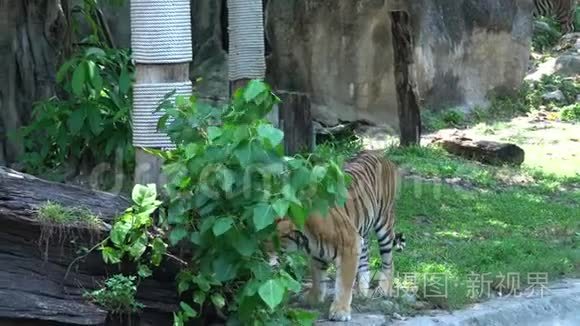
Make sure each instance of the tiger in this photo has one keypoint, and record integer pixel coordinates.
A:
(563, 10)
(339, 236)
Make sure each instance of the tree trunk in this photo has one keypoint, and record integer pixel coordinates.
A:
(30, 42)
(408, 106)
(484, 151)
(296, 122)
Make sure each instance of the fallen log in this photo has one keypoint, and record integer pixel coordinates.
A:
(38, 284)
(484, 151)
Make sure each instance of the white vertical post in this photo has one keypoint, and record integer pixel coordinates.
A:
(162, 50)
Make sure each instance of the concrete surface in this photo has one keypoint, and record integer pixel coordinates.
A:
(558, 306)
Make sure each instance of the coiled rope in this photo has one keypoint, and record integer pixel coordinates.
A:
(146, 98)
(161, 31)
(160, 34)
(246, 30)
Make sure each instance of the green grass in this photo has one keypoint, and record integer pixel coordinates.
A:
(57, 215)
(434, 163)
(456, 232)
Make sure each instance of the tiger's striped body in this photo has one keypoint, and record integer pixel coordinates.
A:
(563, 10)
(339, 237)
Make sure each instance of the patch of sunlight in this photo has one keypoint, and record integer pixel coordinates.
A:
(455, 234)
(498, 223)
(432, 268)
(378, 141)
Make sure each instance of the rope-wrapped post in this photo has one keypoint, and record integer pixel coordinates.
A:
(246, 49)
(246, 42)
(162, 50)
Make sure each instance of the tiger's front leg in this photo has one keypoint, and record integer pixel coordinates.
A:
(346, 268)
(317, 292)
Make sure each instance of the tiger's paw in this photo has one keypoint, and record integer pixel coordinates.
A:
(314, 297)
(363, 285)
(339, 312)
(363, 292)
(385, 288)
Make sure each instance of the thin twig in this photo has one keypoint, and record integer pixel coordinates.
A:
(179, 260)
(105, 28)
(83, 256)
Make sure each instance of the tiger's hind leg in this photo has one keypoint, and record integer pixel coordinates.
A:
(386, 237)
(364, 274)
(346, 268)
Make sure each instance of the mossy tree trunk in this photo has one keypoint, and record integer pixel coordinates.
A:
(32, 34)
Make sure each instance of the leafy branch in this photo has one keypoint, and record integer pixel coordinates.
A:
(228, 181)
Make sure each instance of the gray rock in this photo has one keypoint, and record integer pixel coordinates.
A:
(357, 320)
(568, 65)
(557, 306)
(409, 298)
(554, 96)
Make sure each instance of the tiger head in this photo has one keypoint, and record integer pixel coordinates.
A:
(291, 239)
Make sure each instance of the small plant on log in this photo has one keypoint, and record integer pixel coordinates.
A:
(117, 295)
(228, 182)
(57, 221)
(131, 234)
(55, 214)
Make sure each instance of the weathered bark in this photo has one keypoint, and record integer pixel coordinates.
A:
(408, 108)
(31, 39)
(35, 257)
(296, 122)
(488, 152)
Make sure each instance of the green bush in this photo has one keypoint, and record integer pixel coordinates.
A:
(571, 112)
(343, 148)
(88, 122)
(117, 295)
(91, 122)
(448, 118)
(546, 34)
(228, 181)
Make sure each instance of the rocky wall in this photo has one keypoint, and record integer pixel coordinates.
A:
(341, 53)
